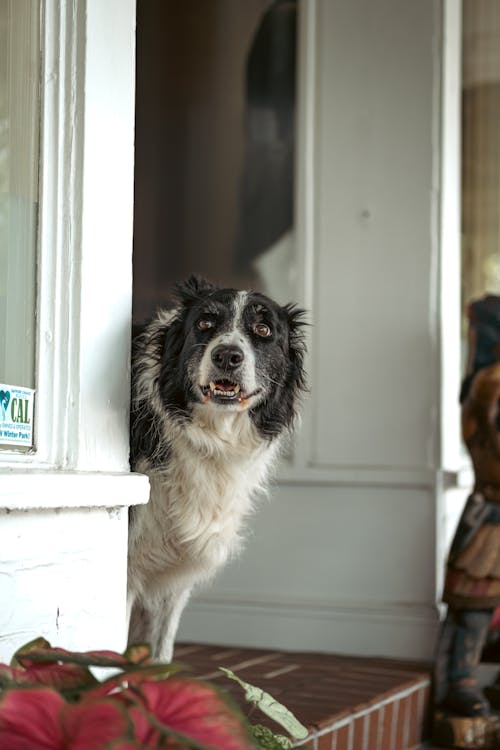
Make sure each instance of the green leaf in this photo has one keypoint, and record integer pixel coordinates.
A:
(268, 740)
(268, 705)
(40, 652)
(139, 653)
(61, 656)
(34, 645)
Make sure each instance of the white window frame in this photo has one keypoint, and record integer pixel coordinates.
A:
(451, 453)
(84, 275)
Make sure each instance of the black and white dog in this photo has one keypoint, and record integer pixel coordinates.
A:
(215, 387)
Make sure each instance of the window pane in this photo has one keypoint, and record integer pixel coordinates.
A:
(19, 133)
(481, 149)
(215, 141)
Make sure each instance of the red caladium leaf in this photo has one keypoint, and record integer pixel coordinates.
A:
(62, 677)
(60, 656)
(30, 719)
(136, 709)
(93, 725)
(121, 682)
(40, 719)
(10, 676)
(191, 709)
(39, 652)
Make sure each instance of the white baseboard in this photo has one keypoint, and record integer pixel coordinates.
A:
(394, 631)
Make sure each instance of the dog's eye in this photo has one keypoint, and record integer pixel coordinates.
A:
(204, 324)
(262, 330)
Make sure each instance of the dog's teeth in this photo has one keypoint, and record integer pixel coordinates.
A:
(212, 386)
(236, 388)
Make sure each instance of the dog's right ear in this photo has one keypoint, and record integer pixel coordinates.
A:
(192, 289)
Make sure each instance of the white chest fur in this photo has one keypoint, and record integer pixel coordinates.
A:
(198, 500)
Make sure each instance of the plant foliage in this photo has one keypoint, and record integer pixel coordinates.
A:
(51, 699)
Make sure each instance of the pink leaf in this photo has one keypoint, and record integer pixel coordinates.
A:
(40, 650)
(40, 719)
(60, 655)
(193, 709)
(30, 719)
(9, 676)
(63, 677)
(124, 680)
(92, 725)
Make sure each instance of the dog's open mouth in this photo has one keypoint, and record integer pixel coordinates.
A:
(225, 391)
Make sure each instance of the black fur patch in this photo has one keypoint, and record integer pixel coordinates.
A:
(173, 351)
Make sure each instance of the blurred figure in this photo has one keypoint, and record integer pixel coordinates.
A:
(472, 585)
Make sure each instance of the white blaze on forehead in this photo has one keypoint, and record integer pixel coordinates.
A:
(239, 306)
(234, 335)
(235, 332)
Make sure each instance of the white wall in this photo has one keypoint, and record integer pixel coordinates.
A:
(344, 557)
(63, 506)
(61, 577)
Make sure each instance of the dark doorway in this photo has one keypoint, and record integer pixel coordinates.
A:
(215, 140)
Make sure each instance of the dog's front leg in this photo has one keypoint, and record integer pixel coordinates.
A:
(155, 621)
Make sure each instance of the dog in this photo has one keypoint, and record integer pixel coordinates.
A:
(216, 383)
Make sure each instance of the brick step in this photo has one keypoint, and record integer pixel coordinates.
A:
(347, 702)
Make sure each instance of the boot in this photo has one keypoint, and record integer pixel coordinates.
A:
(461, 641)
(465, 698)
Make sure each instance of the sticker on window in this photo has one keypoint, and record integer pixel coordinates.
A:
(16, 415)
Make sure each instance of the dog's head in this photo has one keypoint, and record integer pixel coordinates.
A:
(232, 350)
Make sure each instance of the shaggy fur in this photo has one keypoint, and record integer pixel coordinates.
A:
(215, 385)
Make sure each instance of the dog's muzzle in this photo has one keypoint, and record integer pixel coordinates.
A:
(226, 385)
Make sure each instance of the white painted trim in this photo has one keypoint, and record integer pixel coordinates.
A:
(305, 151)
(346, 607)
(63, 42)
(23, 490)
(85, 237)
(305, 180)
(452, 457)
(372, 476)
(105, 292)
(451, 454)
(58, 231)
(339, 627)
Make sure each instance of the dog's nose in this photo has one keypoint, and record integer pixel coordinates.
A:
(227, 357)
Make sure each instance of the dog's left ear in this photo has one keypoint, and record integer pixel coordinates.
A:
(192, 289)
(297, 344)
